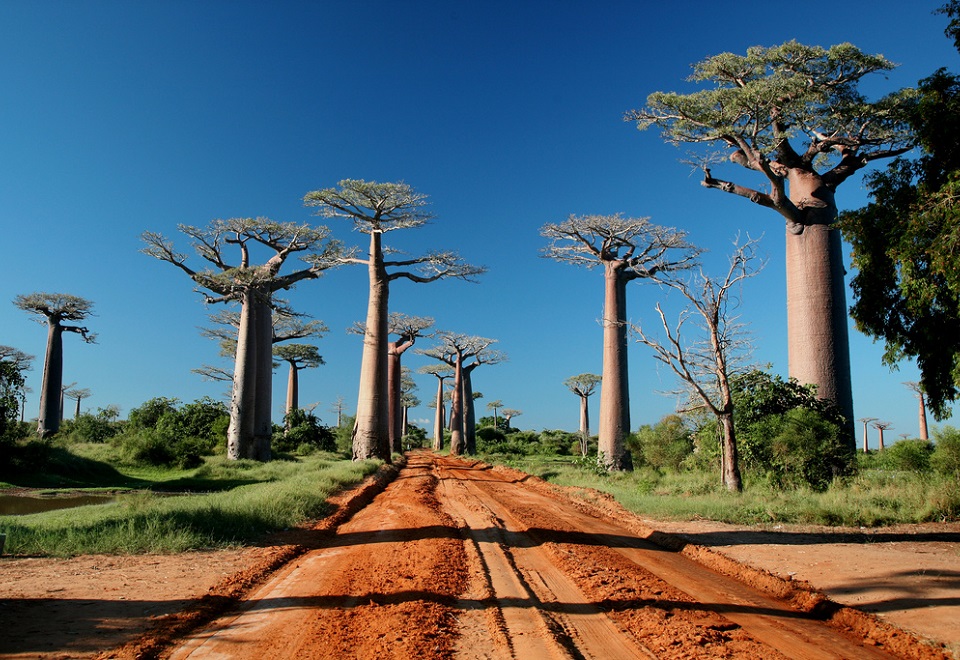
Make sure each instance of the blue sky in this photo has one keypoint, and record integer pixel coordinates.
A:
(118, 117)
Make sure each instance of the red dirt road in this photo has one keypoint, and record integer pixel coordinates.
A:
(455, 559)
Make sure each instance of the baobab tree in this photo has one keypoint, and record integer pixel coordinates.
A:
(881, 427)
(464, 353)
(706, 365)
(441, 371)
(375, 209)
(510, 413)
(298, 357)
(866, 441)
(408, 329)
(252, 286)
(495, 405)
(583, 385)
(628, 249)
(917, 389)
(55, 310)
(759, 106)
(77, 394)
(338, 408)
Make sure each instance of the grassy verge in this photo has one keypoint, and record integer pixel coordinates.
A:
(254, 498)
(870, 498)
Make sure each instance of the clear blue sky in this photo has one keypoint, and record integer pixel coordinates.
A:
(119, 117)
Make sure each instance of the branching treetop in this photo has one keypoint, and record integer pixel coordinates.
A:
(373, 207)
(453, 345)
(641, 247)
(56, 308)
(583, 385)
(20, 360)
(784, 107)
(228, 278)
(301, 356)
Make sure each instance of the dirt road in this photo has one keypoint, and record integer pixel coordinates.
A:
(458, 560)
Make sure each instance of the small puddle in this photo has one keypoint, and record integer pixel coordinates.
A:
(21, 505)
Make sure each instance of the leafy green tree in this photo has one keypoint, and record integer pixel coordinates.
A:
(793, 116)
(907, 285)
(375, 209)
(11, 383)
(55, 310)
(628, 249)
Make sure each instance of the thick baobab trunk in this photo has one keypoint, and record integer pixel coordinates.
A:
(48, 421)
(439, 422)
(819, 349)
(76, 412)
(469, 412)
(393, 405)
(240, 438)
(614, 390)
(730, 461)
(584, 424)
(263, 398)
(371, 432)
(456, 410)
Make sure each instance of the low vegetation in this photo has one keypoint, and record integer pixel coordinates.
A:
(175, 488)
(677, 478)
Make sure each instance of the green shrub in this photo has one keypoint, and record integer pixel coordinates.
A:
(87, 427)
(304, 430)
(908, 456)
(946, 453)
(148, 414)
(557, 442)
(414, 437)
(663, 446)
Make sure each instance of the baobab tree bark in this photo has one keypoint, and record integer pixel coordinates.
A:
(819, 351)
(240, 432)
(614, 417)
(371, 429)
(263, 400)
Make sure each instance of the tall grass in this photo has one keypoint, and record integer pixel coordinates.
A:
(872, 497)
(277, 495)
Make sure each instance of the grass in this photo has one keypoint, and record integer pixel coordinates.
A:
(245, 500)
(870, 498)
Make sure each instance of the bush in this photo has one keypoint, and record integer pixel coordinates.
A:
(946, 452)
(87, 427)
(304, 432)
(558, 442)
(663, 446)
(808, 451)
(148, 414)
(908, 456)
(414, 437)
